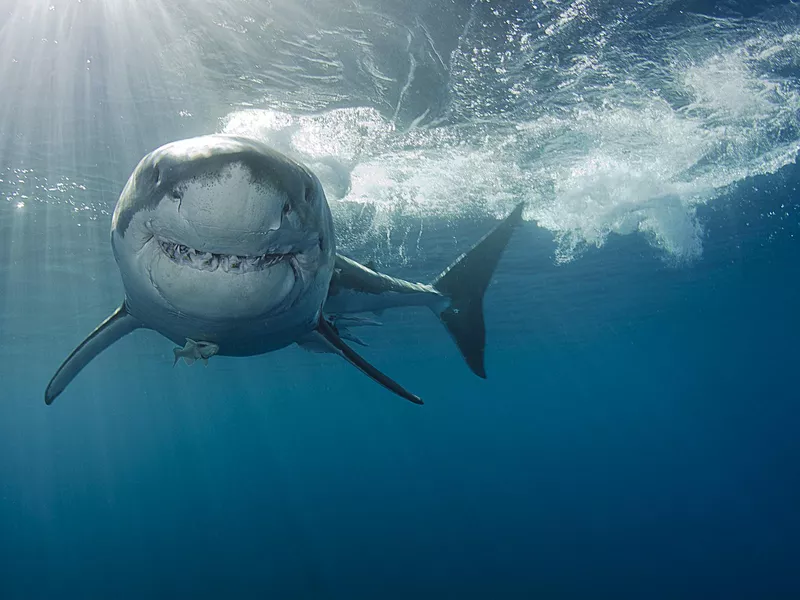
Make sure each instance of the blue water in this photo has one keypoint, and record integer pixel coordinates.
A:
(637, 434)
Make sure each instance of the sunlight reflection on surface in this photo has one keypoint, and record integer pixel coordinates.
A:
(622, 142)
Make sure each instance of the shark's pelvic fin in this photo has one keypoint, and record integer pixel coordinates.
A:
(332, 337)
(118, 325)
(465, 283)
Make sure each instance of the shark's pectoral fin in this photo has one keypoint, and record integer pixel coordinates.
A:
(118, 325)
(331, 337)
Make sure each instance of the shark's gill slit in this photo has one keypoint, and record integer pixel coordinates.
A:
(211, 261)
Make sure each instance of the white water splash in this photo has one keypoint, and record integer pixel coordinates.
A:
(601, 123)
(640, 165)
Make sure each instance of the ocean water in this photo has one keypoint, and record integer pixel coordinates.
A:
(637, 434)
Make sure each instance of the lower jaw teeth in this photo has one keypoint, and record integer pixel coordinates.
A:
(206, 261)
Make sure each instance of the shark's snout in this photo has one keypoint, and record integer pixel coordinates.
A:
(233, 202)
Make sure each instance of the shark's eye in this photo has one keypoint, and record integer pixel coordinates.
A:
(287, 208)
(176, 194)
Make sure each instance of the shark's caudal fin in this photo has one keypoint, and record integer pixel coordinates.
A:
(465, 282)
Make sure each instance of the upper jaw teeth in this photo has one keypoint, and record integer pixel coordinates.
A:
(208, 261)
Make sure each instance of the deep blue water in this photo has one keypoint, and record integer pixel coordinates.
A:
(637, 434)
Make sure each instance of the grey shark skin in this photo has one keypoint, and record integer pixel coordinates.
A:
(455, 296)
(226, 242)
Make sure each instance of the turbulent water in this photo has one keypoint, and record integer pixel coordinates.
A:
(635, 438)
(607, 117)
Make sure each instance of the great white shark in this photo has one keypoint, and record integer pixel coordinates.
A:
(227, 247)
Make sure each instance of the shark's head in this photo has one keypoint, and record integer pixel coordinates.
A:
(221, 227)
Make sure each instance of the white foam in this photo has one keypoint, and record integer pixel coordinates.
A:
(599, 135)
(632, 164)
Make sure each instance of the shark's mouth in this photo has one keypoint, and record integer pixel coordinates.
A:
(210, 261)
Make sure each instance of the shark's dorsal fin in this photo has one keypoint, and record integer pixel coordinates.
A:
(331, 337)
(118, 325)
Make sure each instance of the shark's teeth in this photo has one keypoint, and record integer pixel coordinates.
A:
(209, 261)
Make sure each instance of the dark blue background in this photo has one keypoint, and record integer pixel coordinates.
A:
(636, 438)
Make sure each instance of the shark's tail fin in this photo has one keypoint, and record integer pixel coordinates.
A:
(465, 282)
